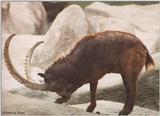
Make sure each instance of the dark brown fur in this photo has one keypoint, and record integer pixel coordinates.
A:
(92, 58)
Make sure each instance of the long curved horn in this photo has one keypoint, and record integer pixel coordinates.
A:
(28, 57)
(15, 74)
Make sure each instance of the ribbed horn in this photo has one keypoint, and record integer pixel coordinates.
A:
(27, 64)
(15, 74)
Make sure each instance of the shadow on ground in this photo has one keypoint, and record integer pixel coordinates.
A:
(147, 93)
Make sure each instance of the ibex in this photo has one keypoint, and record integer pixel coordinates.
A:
(88, 61)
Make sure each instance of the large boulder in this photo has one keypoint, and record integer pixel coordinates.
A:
(24, 18)
(69, 25)
(141, 20)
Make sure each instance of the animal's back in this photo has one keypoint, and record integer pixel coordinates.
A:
(105, 52)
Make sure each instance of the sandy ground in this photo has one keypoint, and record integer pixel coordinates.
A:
(19, 105)
(113, 108)
(14, 104)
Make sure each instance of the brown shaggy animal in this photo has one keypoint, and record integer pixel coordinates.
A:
(90, 59)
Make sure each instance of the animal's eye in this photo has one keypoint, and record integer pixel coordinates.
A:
(46, 80)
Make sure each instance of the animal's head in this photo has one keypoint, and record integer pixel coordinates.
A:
(58, 85)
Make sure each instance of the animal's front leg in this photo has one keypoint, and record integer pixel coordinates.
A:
(93, 88)
(61, 100)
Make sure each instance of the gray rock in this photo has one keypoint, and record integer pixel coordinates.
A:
(24, 18)
(69, 25)
(141, 20)
(156, 46)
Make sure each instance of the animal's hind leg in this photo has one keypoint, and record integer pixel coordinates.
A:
(129, 76)
(129, 81)
(93, 88)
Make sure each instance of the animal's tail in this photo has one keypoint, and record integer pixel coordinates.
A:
(149, 61)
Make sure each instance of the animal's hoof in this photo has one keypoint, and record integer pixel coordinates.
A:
(60, 101)
(90, 108)
(123, 113)
(98, 112)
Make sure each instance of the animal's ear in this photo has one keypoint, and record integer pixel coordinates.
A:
(41, 75)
